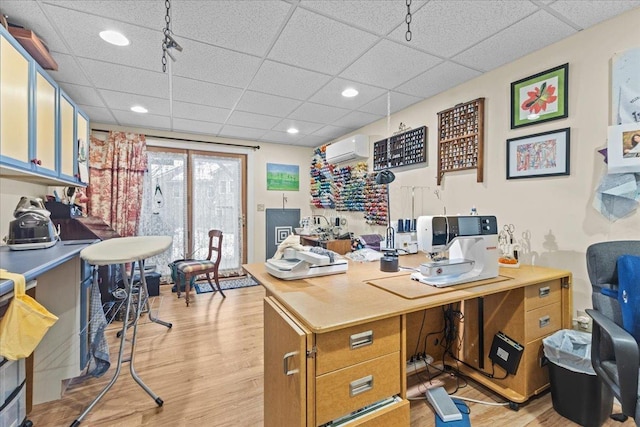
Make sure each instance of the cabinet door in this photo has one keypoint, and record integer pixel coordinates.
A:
(82, 134)
(14, 104)
(67, 138)
(45, 124)
(285, 348)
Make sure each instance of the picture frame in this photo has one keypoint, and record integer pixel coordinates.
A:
(540, 98)
(283, 177)
(623, 148)
(539, 155)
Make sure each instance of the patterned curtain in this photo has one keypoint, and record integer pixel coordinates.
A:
(116, 175)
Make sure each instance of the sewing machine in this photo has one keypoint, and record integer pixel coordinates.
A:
(472, 242)
(300, 264)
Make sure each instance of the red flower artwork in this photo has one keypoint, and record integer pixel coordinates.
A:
(539, 98)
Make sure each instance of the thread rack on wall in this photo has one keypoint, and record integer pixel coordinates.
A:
(461, 138)
(403, 149)
(321, 174)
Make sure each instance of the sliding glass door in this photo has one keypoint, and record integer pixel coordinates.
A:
(186, 194)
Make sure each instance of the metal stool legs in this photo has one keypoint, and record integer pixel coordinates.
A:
(137, 305)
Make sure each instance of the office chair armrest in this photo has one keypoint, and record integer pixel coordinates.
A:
(627, 356)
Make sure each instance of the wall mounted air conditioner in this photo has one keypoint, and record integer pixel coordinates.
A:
(353, 148)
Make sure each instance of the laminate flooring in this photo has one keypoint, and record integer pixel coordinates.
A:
(208, 369)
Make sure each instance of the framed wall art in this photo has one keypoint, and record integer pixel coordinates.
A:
(539, 155)
(623, 148)
(540, 98)
(283, 177)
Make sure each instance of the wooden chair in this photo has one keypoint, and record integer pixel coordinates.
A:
(192, 268)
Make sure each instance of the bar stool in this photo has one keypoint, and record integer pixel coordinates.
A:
(125, 250)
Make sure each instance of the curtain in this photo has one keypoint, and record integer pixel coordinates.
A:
(116, 176)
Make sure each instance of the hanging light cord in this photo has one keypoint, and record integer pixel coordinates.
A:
(166, 41)
(407, 19)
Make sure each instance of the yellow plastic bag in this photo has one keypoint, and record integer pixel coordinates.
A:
(25, 322)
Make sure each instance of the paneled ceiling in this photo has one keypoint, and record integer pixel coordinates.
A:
(251, 69)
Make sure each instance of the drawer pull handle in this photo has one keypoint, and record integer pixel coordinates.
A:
(544, 321)
(360, 386)
(360, 340)
(285, 361)
(544, 292)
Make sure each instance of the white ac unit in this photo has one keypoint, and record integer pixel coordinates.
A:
(352, 148)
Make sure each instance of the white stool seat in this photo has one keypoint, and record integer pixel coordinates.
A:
(122, 250)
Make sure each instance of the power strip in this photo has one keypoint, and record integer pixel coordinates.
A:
(416, 366)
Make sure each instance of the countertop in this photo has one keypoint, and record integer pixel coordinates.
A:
(34, 262)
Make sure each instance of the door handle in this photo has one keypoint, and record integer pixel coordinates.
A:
(285, 362)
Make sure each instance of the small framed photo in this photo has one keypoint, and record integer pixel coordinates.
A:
(539, 155)
(540, 98)
(623, 148)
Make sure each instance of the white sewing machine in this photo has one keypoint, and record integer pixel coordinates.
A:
(300, 264)
(472, 242)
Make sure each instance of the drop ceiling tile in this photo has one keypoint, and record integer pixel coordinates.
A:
(213, 64)
(325, 48)
(318, 113)
(389, 64)
(438, 79)
(252, 120)
(445, 28)
(356, 119)
(198, 92)
(104, 75)
(285, 80)
(98, 114)
(80, 32)
(398, 102)
(262, 103)
(129, 118)
(84, 95)
(594, 12)
(124, 101)
(515, 42)
(145, 13)
(198, 112)
(331, 94)
(232, 131)
(281, 138)
(304, 127)
(312, 141)
(68, 70)
(332, 132)
(379, 17)
(30, 15)
(244, 26)
(195, 126)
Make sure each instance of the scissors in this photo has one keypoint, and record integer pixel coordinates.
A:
(510, 229)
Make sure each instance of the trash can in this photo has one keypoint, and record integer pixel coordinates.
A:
(576, 392)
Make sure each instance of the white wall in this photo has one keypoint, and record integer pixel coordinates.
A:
(557, 211)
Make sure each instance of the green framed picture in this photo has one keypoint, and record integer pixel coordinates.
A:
(283, 177)
(540, 98)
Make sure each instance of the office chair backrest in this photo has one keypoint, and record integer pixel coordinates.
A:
(603, 273)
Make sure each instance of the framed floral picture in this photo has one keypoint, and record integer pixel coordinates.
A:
(542, 154)
(540, 98)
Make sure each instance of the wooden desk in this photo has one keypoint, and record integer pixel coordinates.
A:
(317, 330)
(338, 246)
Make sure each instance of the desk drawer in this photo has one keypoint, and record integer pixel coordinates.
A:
(542, 321)
(542, 294)
(341, 392)
(396, 416)
(356, 344)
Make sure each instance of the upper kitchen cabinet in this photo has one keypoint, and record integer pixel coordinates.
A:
(15, 92)
(40, 125)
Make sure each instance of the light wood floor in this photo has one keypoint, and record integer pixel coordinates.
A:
(208, 370)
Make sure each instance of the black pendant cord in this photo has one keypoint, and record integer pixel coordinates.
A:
(407, 19)
(166, 31)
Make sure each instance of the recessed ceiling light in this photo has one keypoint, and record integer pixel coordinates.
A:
(114, 37)
(349, 92)
(139, 109)
(292, 131)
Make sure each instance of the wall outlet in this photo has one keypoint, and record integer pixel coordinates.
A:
(260, 207)
(582, 321)
(413, 367)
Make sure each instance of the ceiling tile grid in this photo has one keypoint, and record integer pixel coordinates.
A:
(251, 69)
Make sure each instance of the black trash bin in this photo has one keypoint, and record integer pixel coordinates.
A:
(576, 392)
